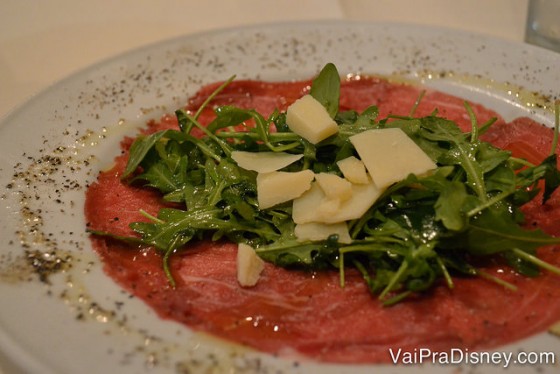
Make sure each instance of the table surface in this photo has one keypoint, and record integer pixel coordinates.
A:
(43, 42)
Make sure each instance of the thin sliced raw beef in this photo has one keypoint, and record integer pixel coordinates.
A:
(304, 313)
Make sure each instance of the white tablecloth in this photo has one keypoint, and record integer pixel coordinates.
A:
(44, 41)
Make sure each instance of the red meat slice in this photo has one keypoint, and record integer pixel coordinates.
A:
(302, 313)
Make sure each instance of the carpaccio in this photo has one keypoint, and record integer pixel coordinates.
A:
(308, 314)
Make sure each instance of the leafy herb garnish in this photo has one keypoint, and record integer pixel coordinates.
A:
(421, 230)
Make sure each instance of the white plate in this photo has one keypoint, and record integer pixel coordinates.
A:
(81, 321)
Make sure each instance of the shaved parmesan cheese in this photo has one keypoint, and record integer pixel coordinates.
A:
(314, 206)
(308, 118)
(333, 186)
(279, 186)
(249, 265)
(328, 207)
(390, 155)
(305, 207)
(354, 170)
(321, 231)
(263, 162)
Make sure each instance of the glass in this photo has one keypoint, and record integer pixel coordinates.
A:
(543, 24)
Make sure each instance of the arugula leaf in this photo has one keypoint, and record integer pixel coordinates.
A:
(449, 206)
(139, 149)
(495, 231)
(227, 116)
(461, 152)
(326, 88)
(551, 176)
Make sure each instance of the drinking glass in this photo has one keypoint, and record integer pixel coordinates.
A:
(543, 24)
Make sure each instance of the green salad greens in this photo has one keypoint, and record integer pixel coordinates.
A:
(420, 231)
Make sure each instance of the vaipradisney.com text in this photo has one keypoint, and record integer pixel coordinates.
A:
(458, 356)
